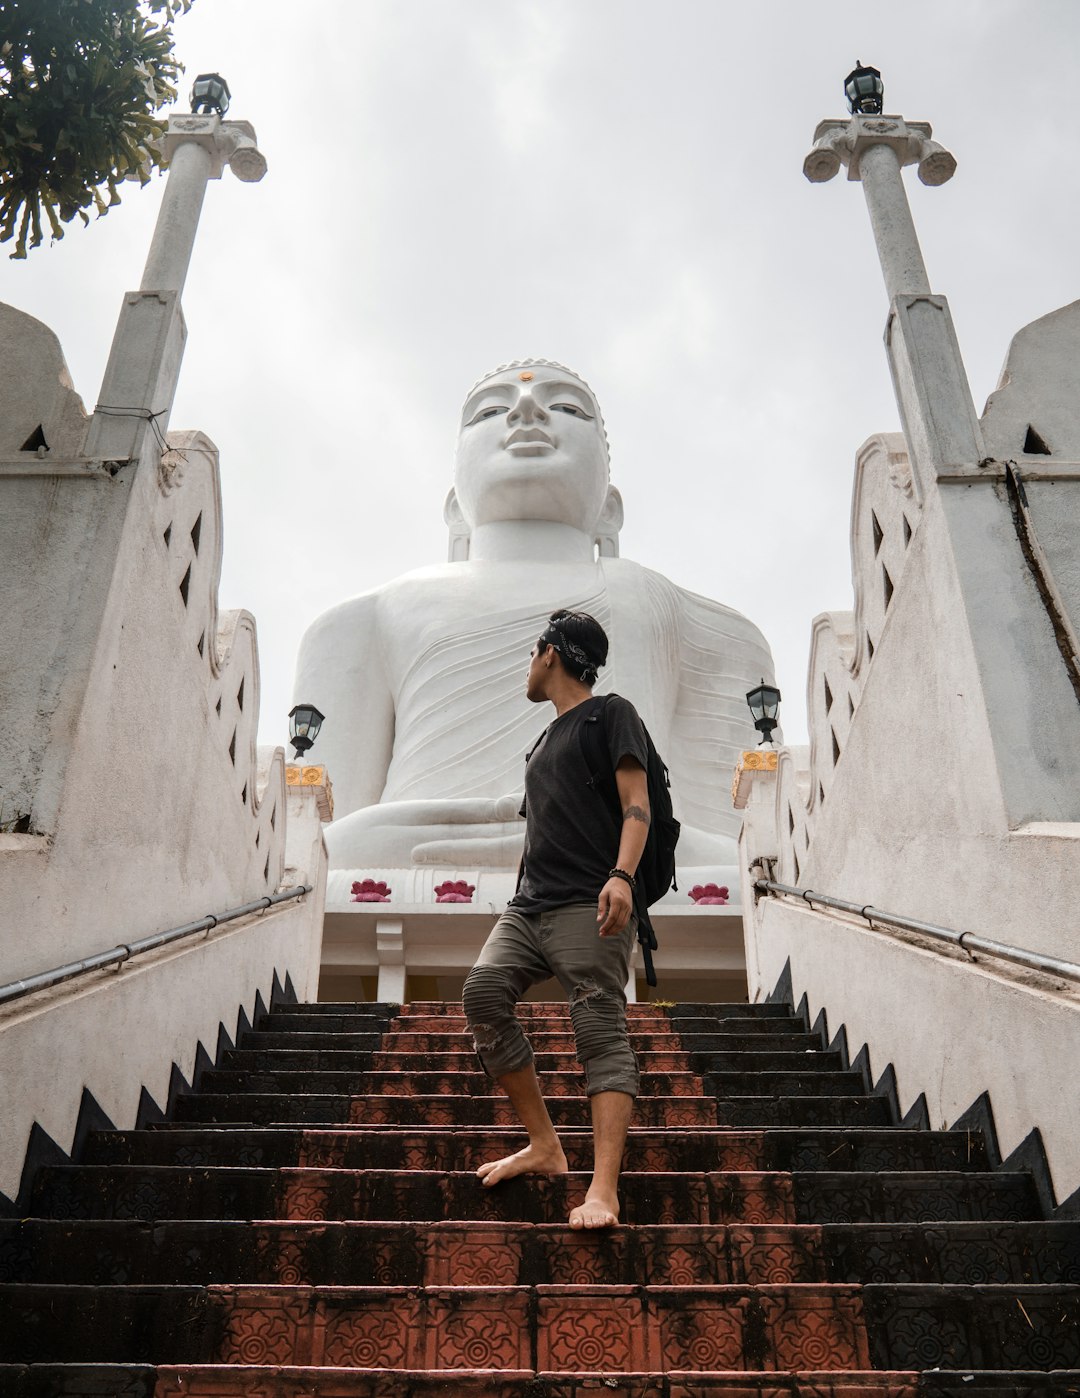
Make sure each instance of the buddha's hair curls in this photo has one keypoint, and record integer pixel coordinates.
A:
(563, 369)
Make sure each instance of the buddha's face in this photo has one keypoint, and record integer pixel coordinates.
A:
(531, 446)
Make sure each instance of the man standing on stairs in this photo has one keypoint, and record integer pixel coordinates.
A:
(572, 917)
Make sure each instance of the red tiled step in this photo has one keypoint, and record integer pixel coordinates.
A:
(331, 1109)
(561, 1061)
(483, 1253)
(553, 1329)
(286, 1381)
(424, 1084)
(526, 1009)
(675, 1197)
(448, 1024)
(409, 1044)
(464, 1148)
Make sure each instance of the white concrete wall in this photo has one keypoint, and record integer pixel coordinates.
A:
(117, 1032)
(951, 1029)
(129, 713)
(942, 780)
(127, 737)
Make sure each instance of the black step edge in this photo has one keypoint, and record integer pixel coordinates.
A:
(1028, 1157)
(42, 1149)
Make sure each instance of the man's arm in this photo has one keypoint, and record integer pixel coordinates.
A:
(616, 897)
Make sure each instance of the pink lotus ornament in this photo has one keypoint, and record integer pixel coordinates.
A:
(704, 894)
(454, 891)
(370, 891)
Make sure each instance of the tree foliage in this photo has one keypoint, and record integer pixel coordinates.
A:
(80, 83)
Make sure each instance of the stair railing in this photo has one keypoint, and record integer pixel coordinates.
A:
(118, 955)
(968, 942)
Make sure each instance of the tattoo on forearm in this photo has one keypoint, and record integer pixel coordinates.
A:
(636, 813)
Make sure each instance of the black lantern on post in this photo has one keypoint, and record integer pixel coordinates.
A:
(864, 91)
(304, 724)
(764, 703)
(210, 93)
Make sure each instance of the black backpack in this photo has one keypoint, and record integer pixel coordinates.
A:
(656, 870)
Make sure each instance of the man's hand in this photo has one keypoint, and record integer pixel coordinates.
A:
(615, 906)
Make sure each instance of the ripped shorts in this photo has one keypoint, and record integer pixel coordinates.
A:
(527, 948)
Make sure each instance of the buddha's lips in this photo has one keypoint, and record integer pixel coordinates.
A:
(522, 436)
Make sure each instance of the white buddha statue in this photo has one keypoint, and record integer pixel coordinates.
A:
(422, 680)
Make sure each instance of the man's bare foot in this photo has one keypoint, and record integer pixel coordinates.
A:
(596, 1212)
(532, 1160)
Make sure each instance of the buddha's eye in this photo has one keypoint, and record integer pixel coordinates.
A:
(571, 408)
(487, 412)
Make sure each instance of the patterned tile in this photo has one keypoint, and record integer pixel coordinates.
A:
(772, 1256)
(591, 1331)
(684, 1257)
(265, 1326)
(751, 1198)
(472, 1257)
(819, 1328)
(477, 1329)
(369, 1330)
(696, 1329)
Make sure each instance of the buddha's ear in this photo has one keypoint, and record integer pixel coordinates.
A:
(459, 529)
(609, 524)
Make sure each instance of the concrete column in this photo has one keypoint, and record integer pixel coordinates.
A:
(894, 230)
(167, 263)
(390, 944)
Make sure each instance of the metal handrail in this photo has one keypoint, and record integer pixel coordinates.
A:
(968, 942)
(15, 990)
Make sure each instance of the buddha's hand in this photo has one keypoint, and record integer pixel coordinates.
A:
(485, 832)
(508, 807)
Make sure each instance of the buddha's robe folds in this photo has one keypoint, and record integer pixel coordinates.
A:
(427, 724)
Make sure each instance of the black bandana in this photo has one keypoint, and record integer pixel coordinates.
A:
(572, 652)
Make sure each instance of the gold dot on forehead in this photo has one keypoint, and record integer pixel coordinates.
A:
(526, 376)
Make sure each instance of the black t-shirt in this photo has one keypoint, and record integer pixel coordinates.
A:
(571, 840)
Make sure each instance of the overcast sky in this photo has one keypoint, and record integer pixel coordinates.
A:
(612, 184)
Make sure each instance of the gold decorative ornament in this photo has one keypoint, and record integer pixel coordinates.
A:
(526, 376)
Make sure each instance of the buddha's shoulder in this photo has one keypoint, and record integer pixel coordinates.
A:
(390, 599)
(705, 615)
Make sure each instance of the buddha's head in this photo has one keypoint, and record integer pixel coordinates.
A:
(532, 446)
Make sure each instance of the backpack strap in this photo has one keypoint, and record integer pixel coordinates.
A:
(594, 749)
(521, 865)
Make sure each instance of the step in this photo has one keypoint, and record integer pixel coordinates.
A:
(435, 1024)
(286, 1381)
(256, 1060)
(554, 1329)
(559, 1329)
(561, 1042)
(756, 1042)
(265, 1109)
(784, 1084)
(378, 1009)
(409, 1083)
(264, 1039)
(767, 1112)
(352, 1253)
(168, 1191)
(531, 1009)
(160, 1192)
(303, 1019)
(465, 1148)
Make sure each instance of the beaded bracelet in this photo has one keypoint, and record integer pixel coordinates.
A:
(622, 874)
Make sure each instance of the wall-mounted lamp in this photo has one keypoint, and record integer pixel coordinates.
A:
(210, 93)
(304, 724)
(764, 704)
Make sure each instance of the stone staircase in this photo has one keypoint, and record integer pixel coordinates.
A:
(308, 1223)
